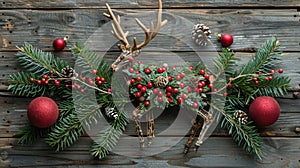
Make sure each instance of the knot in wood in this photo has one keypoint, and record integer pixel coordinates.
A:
(161, 81)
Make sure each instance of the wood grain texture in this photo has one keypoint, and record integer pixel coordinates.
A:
(147, 3)
(249, 27)
(217, 152)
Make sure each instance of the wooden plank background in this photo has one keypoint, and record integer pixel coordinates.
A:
(250, 22)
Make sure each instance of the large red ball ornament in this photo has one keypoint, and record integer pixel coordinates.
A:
(42, 112)
(226, 40)
(264, 111)
(59, 43)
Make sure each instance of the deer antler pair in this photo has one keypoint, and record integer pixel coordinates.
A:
(127, 49)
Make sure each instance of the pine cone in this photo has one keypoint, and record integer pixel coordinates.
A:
(68, 72)
(161, 82)
(111, 113)
(201, 34)
(240, 116)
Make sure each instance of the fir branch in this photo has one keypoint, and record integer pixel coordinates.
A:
(277, 87)
(38, 62)
(65, 132)
(109, 136)
(261, 62)
(29, 134)
(20, 85)
(225, 62)
(245, 135)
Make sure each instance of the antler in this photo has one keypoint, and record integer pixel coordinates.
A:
(127, 49)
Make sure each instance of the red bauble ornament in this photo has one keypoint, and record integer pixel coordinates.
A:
(264, 111)
(42, 112)
(226, 40)
(59, 44)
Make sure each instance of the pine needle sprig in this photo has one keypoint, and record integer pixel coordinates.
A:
(109, 136)
(20, 85)
(38, 62)
(245, 135)
(65, 132)
(262, 61)
(29, 134)
(225, 62)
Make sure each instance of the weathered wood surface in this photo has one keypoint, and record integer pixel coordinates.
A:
(42, 26)
(251, 23)
(147, 4)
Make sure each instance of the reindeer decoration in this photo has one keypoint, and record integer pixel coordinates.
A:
(122, 60)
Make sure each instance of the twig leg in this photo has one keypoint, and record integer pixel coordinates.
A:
(150, 129)
(196, 125)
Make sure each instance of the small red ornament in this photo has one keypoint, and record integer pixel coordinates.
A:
(207, 76)
(150, 85)
(195, 105)
(130, 59)
(202, 72)
(59, 44)
(169, 89)
(132, 81)
(144, 89)
(280, 70)
(181, 85)
(131, 70)
(159, 99)
(226, 39)
(39, 82)
(181, 74)
(178, 77)
(179, 100)
(139, 86)
(175, 90)
(170, 78)
(31, 80)
(138, 79)
(264, 111)
(160, 70)
(42, 112)
(138, 94)
(147, 71)
(147, 103)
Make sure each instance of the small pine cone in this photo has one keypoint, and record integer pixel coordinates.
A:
(68, 72)
(111, 113)
(161, 82)
(240, 116)
(201, 34)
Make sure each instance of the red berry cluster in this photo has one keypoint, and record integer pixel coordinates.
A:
(45, 79)
(268, 77)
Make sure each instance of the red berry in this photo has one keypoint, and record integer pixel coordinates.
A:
(155, 90)
(109, 90)
(181, 74)
(130, 59)
(83, 78)
(280, 70)
(46, 82)
(181, 85)
(91, 82)
(191, 67)
(215, 90)
(203, 83)
(200, 90)
(267, 78)
(147, 71)
(147, 103)
(82, 90)
(43, 80)
(226, 40)
(225, 94)
(45, 76)
(160, 93)
(170, 78)
(179, 100)
(159, 99)
(168, 94)
(97, 78)
(137, 72)
(132, 81)
(270, 78)
(51, 72)
(272, 71)
(169, 89)
(57, 83)
(256, 82)
(195, 104)
(210, 85)
(67, 86)
(258, 73)
(173, 67)
(160, 70)
(255, 79)
(178, 77)
(59, 44)
(200, 85)
(39, 82)
(31, 80)
(138, 94)
(207, 77)
(164, 69)
(94, 71)
(229, 85)
(170, 100)
(144, 89)
(78, 86)
(150, 85)
(138, 79)
(175, 90)
(102, 79)
(139, 86)
(73, 86)
(190, 89)
(202, 72)
(99, 83)
(184, 96)
(139, 62)
(131, 70)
